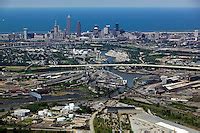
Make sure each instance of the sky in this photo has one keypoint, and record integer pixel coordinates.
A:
(99, 3)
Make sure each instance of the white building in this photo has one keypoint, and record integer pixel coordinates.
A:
(60, 119)
(25, 33)
(71, 106)
(44, 112)
(4, 37)
(38, 37)
(71, 116)
(106, 30)
(163, 79)
(21, 112)
(196, 35)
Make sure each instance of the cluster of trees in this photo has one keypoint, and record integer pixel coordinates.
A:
(101, 126)
(37, 106)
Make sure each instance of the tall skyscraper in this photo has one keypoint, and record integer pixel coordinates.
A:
(25, 33)
(55, 27)
(106, 30)
(78, 29)
(196, 35)
(117, 27)
(56, 30)
(68, 28)
(96, 31)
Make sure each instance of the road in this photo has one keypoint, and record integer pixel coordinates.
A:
(136, 65)
(42, 129)
(91, 122)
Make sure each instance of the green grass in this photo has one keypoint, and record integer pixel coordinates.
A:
(101, 126)
(70, 62)
(25, 122)
(184, 107)
(84, 110)
(152, 58)
(15, 68)
(84, 89)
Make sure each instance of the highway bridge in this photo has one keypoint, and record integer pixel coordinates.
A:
(197, 68)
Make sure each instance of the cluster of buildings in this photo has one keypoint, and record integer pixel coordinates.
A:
(42, 55)
(57, 34)
(172, 36)
(22, 85)
(93, 54)
(63, 117)
(119, 56)
(106, 34)
(105, 81)
(180, 87)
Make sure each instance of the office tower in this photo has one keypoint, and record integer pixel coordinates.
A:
(68, 28)
(196, 35)
(78, 29)
(25, 33)
(96, 31)
(117, 27)
(56, 28)
(114, 32)
(106, 30)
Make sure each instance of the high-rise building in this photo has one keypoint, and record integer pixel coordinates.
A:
(78, 29)
(56, 28)
(96, 31)
(196, 35)
(68, 28)
(117, 27)
(106, 30)
(25, 33)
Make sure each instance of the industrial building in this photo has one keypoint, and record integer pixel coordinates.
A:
(21, 112)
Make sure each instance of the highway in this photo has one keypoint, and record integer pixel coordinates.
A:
(197, 68)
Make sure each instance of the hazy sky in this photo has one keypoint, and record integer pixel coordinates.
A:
(99, 3)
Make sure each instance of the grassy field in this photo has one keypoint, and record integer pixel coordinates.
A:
(101, 126)
(184, 107)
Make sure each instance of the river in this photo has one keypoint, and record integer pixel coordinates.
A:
(126, 76)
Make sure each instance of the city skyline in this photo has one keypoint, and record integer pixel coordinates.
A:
(102, 3)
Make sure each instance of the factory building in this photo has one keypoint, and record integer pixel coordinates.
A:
(21, 112)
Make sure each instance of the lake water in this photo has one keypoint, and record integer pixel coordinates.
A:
(130, 19)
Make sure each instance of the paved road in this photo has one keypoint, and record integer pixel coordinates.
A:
(46, 129)
(136, 65)
(91, 122)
